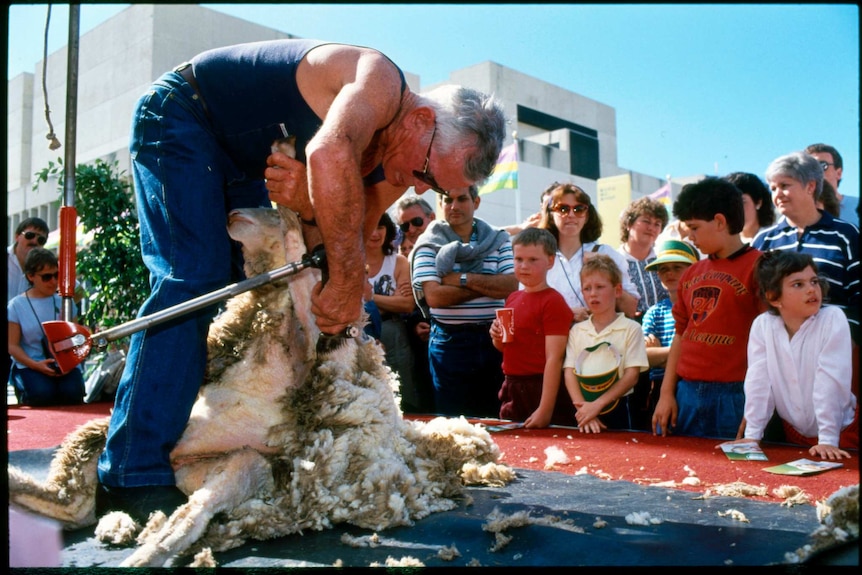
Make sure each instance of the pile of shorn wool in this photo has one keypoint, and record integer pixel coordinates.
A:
(285, 435)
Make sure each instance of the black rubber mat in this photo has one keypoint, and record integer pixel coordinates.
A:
(686, 530)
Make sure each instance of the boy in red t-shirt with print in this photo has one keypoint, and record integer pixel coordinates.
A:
(533, 360)
(702, 391)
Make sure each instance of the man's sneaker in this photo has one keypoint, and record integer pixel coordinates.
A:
(139, 502)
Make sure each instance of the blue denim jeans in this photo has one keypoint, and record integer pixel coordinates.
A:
(709, 409)
(467, 371)
(185, 186)
(37, 389)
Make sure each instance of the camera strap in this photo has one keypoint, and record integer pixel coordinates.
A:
(56, 311)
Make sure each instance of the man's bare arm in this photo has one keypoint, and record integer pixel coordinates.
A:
(497, 286)
(336, 191)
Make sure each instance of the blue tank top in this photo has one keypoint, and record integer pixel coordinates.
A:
(252, 99)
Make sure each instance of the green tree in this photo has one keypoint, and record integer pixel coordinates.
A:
(110, 265)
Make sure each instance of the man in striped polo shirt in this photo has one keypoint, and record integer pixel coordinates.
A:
(463, 269)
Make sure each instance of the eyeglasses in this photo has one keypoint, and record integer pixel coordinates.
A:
(39, 237)
(825, 165)
(415, 222)
(425, 177)
(564, 209)
(48, 277)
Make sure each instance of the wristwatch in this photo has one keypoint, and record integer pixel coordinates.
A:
(463, 280)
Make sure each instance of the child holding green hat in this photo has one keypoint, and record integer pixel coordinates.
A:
(605, 333)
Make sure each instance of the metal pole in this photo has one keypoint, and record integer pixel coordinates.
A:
(68, 214)
(101, 339)
(518, 187)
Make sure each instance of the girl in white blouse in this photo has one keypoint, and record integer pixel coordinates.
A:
(799, 362)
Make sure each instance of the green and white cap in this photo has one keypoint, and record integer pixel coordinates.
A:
(674, 251)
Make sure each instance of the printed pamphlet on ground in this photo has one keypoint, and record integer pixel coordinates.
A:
(803, 467)
(746, 451)
(503, 427)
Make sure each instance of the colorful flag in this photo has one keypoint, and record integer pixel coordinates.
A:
(505, 174)
(662, 194)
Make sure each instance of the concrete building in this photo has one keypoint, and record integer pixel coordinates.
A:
(562, 135)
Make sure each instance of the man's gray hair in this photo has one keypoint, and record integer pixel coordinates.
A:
(408, 202)
(469, 117)
(800, 167)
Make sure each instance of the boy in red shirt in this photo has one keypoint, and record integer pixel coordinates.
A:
(702, 390)
(533, 360)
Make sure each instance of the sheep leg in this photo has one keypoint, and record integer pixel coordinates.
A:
(222, 485)
(74, 508)
(69, 492)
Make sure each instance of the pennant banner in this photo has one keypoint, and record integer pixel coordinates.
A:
(505, 174)
(662, 194)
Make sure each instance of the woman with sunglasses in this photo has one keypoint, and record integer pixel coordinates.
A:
(571, 217)
(34, 375)
(30, 233)
(388, 288)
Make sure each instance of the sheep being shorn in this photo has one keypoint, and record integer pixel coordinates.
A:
(281, 439)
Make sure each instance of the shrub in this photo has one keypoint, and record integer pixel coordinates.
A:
(110, 265)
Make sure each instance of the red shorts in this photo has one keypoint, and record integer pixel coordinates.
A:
(520, 396)
(849, 438)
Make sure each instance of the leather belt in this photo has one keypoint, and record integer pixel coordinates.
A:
(187, 73)
(463, 327)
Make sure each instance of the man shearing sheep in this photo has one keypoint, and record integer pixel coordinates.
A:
(201, 145)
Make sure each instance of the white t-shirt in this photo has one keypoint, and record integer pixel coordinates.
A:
(565, 276)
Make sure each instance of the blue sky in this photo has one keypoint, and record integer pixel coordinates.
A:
(698, 89)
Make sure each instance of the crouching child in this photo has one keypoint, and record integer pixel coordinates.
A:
(799, 362)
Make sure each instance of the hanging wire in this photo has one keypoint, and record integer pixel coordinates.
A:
(54, 142)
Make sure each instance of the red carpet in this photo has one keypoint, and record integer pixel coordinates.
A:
(630, 456)
(646, 459)
(43, 427)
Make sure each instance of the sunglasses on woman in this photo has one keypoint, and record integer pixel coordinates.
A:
(39, 237)
(565, 209)
(415, 222)
(48, 277)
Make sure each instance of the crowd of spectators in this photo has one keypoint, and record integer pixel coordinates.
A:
(687, 281)
(684, 278)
